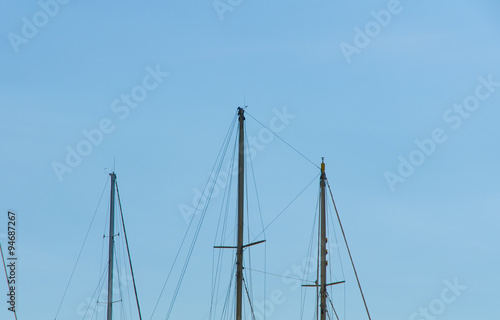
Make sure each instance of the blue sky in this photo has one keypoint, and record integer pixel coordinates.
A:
(436, 222)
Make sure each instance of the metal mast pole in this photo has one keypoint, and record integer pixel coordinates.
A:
(239, 248)
(111, 245)
(323, 250)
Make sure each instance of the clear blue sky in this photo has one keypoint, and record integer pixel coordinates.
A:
(161, 82)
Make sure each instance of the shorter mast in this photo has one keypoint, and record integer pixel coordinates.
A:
(322, 310)
(111, 246)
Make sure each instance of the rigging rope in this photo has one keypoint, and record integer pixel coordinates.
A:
(216, 264)
(294, 149)
(288, 205)
(310, 257)
(249, 300)
(128, 252)
(335, 311)
(228, 296)
(330, 220)
(263, 228)
(81, 249)
(247, 222)
(198, 228)
(99, 286)
(349, 251)
(276, 275)
(221, 150)
(123, 315)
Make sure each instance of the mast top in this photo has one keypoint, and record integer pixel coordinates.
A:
(241, 111)
(323, 164)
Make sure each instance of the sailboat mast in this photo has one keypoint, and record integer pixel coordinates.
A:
(111, 246)
(241, 186)
(323, 250)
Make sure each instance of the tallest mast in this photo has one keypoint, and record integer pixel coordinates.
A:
(241, 186)
(323, 251)
(241, 203)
